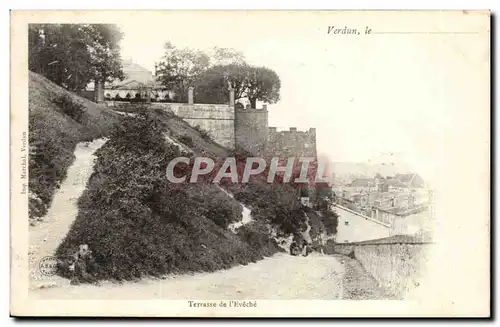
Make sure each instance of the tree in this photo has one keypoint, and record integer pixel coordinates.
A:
(105, 51)
(213, 85)
(180, 68)
(72, 55)
(262, 84)
(253, 83)
(213, 75)
(226, 56)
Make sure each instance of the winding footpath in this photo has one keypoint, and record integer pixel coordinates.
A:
(45, 237)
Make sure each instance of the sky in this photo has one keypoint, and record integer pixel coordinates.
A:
(377, 98)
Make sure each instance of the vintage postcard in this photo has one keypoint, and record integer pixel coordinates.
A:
(250, 163)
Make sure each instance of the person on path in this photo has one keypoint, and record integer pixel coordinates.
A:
(84, 266)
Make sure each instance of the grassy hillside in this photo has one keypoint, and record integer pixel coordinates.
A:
(138, 223)
(58, 120)
(134, 220)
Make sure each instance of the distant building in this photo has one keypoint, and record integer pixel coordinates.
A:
(393, 185)
(357, 227)
(362, 185)
(139, 83)
(411, 180)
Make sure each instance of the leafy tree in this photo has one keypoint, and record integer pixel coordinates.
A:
(214, 84)
(262, 84)
(253, 83)
(213, 75)
(180, 68)
(226, 56)
(105, 51)
(72, 55)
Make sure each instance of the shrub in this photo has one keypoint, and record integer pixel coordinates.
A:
(203, 133)
(257, 235)
(330, 220)
(275, 204)
(219, 207)
(70, 107)
(186, 140)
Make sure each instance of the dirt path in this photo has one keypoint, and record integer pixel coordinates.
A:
(279, 277)
(46, 236)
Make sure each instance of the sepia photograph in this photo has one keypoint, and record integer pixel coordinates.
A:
(250, 163)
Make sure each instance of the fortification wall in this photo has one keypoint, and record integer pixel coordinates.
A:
(216, 119)
(397, 267)
(251, 129)
(292, 143)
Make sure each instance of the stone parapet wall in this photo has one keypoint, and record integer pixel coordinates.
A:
(216, 119)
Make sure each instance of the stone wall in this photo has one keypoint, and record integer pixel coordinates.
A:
(292, 143)
(397, 267)
(240, 128)
(216, 119)
(251, 132)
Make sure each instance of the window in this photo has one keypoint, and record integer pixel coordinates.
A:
(346, 223)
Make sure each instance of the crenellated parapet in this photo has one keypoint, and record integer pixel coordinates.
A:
(292, 142)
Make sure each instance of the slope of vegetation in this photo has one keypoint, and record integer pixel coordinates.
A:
(58, 120)
(138, 223)
(274, 204)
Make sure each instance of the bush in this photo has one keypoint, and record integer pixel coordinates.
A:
(274, 204)
(186, 140)
(70, 107)
(257, 235)
(221, 209)
(203, 133)
(330, 220)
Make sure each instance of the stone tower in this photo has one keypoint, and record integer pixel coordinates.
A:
(251, 129)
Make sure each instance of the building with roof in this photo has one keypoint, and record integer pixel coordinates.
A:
(411, 180)
(139, 83)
